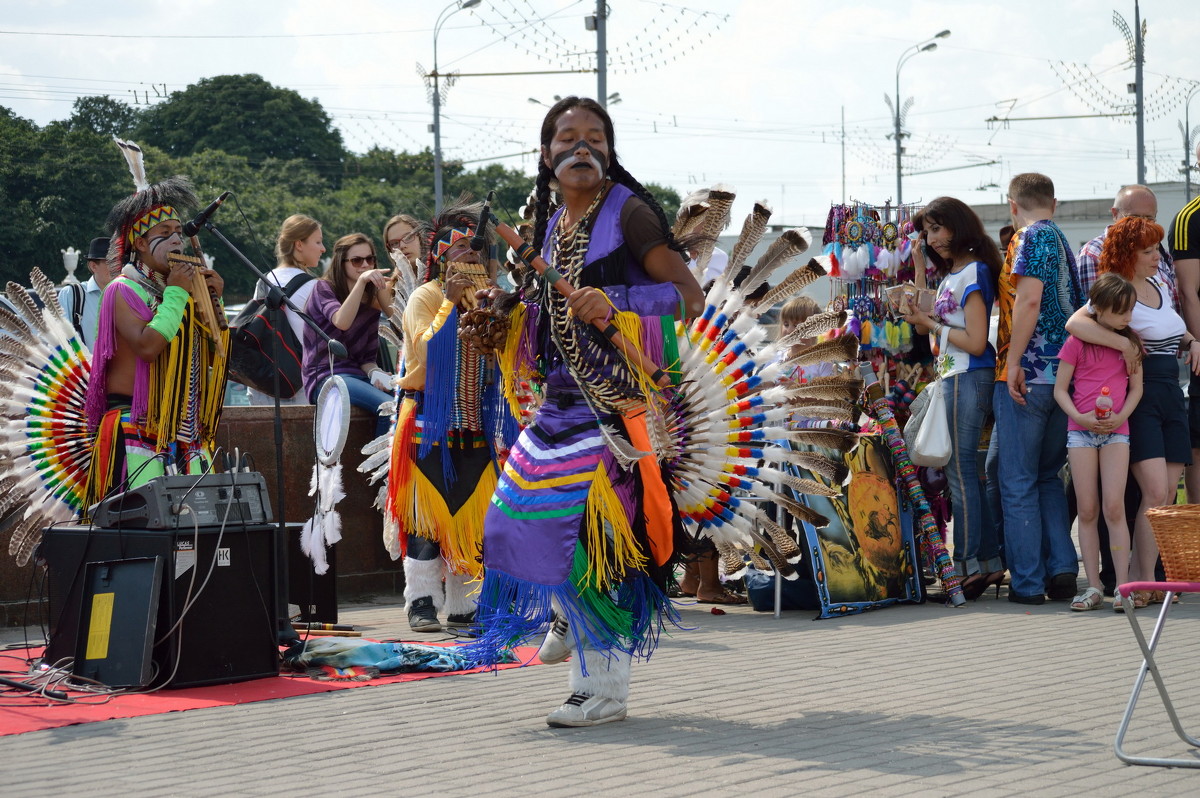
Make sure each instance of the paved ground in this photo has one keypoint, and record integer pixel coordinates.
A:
(991, 699)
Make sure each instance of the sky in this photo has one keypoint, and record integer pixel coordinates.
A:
(750, 94)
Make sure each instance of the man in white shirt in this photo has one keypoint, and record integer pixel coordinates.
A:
(81, 301)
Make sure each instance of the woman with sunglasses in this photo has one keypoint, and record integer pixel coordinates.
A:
(346, 304)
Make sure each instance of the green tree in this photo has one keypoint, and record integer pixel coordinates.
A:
(57, 185)
(103, 116)
(668, 198)
(245, 115)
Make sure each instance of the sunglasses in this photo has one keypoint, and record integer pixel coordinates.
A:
(361, 260)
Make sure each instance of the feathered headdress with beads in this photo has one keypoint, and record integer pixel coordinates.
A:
(150, 204)
(461, 215)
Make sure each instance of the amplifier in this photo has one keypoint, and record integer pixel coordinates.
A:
(217, 615)
(214, 500)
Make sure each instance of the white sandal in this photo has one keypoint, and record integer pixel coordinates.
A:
(1090, 599)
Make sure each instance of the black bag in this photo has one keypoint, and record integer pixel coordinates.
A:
(250, 359)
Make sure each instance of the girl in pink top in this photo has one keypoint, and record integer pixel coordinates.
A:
(1098, 442)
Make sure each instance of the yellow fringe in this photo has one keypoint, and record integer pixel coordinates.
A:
(630, 326)
(605, 512)
(422, 511)
(171, 384)
(507, 358)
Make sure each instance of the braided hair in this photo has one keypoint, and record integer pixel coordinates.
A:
(544, 187)
(616, 172)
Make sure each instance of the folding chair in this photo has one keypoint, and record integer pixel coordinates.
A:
(1177, 530)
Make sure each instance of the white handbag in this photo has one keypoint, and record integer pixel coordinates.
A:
(932, 445)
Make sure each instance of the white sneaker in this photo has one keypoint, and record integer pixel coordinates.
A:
(586, 710)
(554, 648)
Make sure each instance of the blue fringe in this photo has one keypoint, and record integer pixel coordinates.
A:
(441, 380)
(499, 424)
(512, 611)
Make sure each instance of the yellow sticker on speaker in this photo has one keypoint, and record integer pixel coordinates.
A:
(100, 626)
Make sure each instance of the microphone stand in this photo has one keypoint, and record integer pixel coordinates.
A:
(275, 301)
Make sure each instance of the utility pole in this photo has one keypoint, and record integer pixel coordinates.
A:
(598, 22)
(1138, 57)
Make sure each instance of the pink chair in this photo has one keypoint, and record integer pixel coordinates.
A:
(1177, 531)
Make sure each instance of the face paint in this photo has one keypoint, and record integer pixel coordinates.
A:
(162, 245)
(567, 158)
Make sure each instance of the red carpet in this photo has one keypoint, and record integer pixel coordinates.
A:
(24, 714)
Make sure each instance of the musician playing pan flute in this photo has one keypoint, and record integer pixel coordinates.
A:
(158, 370)
(450, 427)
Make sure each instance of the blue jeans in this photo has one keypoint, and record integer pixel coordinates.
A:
(968, 403)
(365, 395)
(1031, 448)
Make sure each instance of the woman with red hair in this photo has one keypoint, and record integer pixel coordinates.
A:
(1158, 451)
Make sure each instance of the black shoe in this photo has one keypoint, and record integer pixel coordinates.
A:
(1110, 589)
(1017, 598)
(422, 617)
(461, 620)
(1062, 587)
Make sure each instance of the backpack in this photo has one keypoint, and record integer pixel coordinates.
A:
(78, 298)
(250, 349)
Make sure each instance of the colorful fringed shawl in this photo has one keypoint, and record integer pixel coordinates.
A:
(570, 526)
(177, 399)
(443, 466)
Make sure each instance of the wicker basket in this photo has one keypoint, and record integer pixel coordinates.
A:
(1177, 530)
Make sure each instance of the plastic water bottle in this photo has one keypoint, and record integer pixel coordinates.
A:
(1104, 403)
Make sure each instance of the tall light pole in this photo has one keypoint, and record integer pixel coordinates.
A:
(898, 111)
(447, 12)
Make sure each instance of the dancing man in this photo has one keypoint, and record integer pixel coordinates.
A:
(451, 425)
(582, 526)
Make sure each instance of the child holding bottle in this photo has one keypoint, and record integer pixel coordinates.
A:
(1097, 395)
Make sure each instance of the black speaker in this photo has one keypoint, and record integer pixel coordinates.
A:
(218, 611)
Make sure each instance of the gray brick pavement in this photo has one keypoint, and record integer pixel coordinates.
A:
(992, 699)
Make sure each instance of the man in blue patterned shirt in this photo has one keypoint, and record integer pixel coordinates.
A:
(1038, 292)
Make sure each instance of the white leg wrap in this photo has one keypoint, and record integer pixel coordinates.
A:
(424, 578)
(460, 594)
(607, 674)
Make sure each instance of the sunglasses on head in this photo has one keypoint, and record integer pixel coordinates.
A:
(369, 260)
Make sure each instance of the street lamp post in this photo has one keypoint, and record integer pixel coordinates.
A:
(447, 12)
(922, 47)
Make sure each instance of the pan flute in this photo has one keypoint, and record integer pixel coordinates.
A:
(207, 305)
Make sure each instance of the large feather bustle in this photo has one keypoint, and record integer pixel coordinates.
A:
(842, 349)
(838, 388)
(790, 244)
(45, 446)
(791, 285)
(838, 440)
(752, 232)
(817, 324)
(823, 408)
(700, 242)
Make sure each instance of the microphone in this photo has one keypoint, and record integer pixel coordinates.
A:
(191, 228)
(477, 240)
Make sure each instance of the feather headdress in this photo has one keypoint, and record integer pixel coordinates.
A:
(461, 214)
(150, 204)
